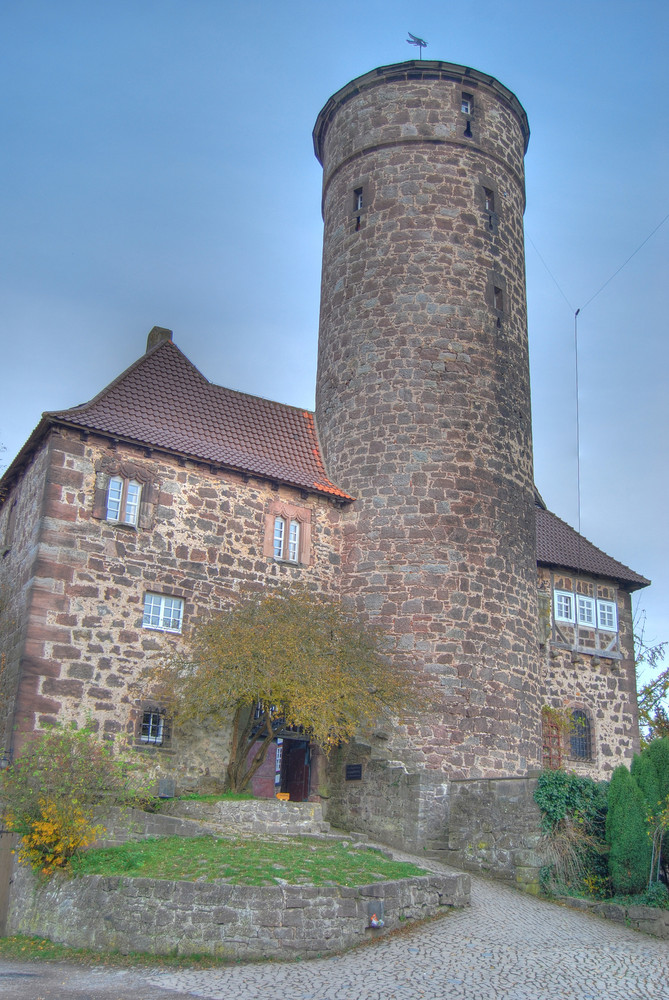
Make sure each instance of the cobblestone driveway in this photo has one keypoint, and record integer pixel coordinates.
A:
(506, 947)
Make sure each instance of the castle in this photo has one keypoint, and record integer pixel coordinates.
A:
(409, 493)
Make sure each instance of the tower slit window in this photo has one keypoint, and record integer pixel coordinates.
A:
(498, 296)
(358, 204)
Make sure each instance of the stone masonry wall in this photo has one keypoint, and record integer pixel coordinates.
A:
(494, 827)
(20, 524)
(423, 405)
(216, 918)
(486, 825)
(586, 677)
(201, 538)
(402, 808)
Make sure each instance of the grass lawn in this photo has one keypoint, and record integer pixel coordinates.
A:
(20, 948)
(245, 861)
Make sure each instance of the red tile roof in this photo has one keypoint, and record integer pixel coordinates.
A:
(560, 545)
(163, 401)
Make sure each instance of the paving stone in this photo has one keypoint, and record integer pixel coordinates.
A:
(506, 945)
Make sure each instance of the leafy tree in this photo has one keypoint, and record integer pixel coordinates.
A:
(60, 780)
(283, 659)
(653, 696)
(627, 834)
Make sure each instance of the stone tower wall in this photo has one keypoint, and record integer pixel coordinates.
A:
(423, 406)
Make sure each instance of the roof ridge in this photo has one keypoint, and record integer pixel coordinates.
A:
(263, 399)
(141, 360)
(633, 575)
(163, 401)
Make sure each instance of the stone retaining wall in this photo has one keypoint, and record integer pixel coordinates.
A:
(648, 919)
(487, 825)
(216, 918)
(494, 827)
(256, 816)
(122, 825)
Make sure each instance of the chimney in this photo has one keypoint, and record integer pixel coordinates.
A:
(158, 335)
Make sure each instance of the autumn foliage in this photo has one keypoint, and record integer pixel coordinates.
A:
(284, 659)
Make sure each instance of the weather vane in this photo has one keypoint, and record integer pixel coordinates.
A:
(415, 40)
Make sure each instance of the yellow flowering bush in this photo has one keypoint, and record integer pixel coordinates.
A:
(56, 836)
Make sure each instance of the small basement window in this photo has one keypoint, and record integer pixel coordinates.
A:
(154, 728)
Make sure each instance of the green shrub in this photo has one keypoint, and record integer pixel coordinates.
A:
(63, 778)
(560, 795)
(657, 753)
(645, 774)
(627, 834)
(573, 818)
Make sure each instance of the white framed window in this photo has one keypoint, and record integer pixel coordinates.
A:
(466, 104)
(489, 199)
(123, 496)
(607, 615)
(564, 606)
(162, 612)
(286, 539)
(585, 610)
(357, 200)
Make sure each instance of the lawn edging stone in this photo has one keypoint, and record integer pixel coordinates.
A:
(648, 919)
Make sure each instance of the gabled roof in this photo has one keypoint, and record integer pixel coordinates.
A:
(163, 401)
(559, 545)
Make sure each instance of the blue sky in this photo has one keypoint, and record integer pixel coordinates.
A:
(157, 168)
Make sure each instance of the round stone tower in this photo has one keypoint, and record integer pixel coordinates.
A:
(423, 396)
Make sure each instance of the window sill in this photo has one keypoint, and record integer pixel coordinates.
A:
(603, 654)
(154, 748)
(161, 628)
